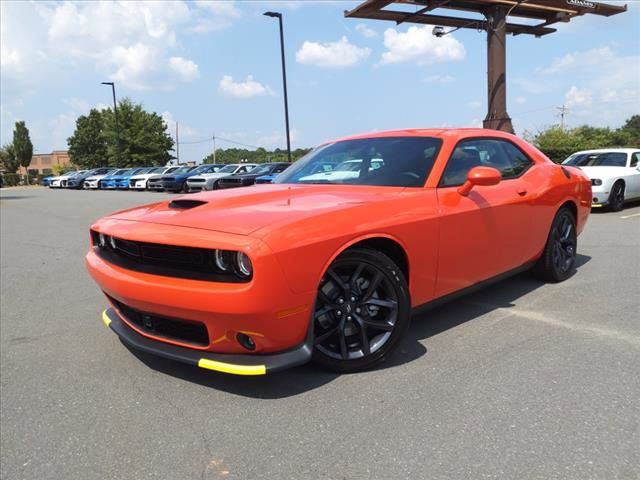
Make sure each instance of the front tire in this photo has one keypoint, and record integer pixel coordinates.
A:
(559, 255)
(616, 197)
(361, 313)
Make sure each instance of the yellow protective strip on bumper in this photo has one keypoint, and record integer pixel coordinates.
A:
(105, 318)
(231, 368)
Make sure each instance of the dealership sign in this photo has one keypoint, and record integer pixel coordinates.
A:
(582, 3)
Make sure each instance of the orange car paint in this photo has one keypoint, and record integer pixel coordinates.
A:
(293, 232)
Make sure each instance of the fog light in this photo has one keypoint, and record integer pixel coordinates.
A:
(246, 341)
(595, 199)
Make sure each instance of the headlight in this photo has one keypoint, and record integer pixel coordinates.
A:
(223, 260)
(596, 181)
(243, 263)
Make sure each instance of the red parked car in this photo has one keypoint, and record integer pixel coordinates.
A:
(330, 267)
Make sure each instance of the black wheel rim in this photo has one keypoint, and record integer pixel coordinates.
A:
(618, 196)
(356, 311)
(564, 251)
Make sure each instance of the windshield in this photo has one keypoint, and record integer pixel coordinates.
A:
(601, 159)
(172, 169)
(388, 161)
(156, 170)
(228, 169)
(184, 169)
(261, 169)
(119, 172)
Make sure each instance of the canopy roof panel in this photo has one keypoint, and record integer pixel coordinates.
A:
(543, 12)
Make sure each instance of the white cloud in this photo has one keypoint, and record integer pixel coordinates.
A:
(418, 45)
(247, 89)
(521, 100)
(185, 68)
(577, 97)
(184, 130)
(439, 79)
(365, 31)
(475, 104)
(220, 7)
(276, 139)
(588, 58)
(331, 54)
(136, 43)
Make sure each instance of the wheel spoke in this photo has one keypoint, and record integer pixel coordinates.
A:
(322, 311)
(373, 285)
(326, 335)
(335, 278)
(353, 283)
(325, 298)
(364, 340)
(380, 302)
(343, 344)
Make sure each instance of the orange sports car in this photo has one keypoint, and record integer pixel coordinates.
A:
(329, 262)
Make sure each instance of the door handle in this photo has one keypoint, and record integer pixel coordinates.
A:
(522, 192)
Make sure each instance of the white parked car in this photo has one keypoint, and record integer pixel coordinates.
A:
(614, 174)
(93, 182)
(139, 180)
(61, 181)
(207, 181)
(346, 170)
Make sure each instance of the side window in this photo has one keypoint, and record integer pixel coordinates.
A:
(499, 154)
(634, 159)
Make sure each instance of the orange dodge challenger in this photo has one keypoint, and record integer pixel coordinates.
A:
(329, 263)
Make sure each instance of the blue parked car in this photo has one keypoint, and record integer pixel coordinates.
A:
(176, 181)
(109, 181)
(46, 180)
(121, 182)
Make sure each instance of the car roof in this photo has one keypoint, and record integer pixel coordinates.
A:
(430, 132)
(609, 150)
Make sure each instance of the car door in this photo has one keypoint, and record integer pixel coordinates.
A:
(632, 178)
(486, 232)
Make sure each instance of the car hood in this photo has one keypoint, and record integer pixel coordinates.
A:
(210, 175)
(603, 172)
(245, 211)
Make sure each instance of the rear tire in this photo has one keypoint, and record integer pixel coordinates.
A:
(559, 255)
(361, 313)
(616, 197)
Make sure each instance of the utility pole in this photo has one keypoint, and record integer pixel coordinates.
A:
(214, 148)
(563, 113)
(177, 144)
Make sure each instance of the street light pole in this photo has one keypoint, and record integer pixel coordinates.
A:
(115, 112)
(284, 79)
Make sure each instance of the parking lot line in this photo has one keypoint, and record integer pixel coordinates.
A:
(632, 215)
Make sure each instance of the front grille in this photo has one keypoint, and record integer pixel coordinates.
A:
(159, 259)
(185, 331)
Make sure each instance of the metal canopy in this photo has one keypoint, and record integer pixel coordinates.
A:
(492, 17)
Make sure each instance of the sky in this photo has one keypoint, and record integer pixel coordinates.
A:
(214, 67)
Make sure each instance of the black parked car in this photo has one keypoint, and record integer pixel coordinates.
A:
(249, 178)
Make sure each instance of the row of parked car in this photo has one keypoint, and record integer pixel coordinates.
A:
(169, 178)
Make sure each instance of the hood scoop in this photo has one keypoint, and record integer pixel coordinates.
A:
(185, 204)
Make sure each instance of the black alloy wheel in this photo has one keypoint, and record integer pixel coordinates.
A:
(616, 197)
(559, 256)
(362, 310)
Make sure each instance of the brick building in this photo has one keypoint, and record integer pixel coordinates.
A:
(43, 162)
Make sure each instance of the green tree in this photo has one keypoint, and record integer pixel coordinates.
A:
(143, 138)
(8, 158)
(22, 146)
(631, 129)
(88, 144)
(558, 144)
(259, 155)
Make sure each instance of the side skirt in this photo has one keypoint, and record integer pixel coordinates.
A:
(473, 288)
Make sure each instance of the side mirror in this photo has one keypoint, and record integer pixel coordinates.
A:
(484, 176)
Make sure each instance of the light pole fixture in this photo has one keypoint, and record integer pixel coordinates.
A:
(115, 112)
(284, 79)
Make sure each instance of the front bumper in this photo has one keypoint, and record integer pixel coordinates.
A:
(93, 185)
(600, 194)
(237, 364)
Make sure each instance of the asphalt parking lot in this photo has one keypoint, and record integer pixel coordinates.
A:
(521, 380)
